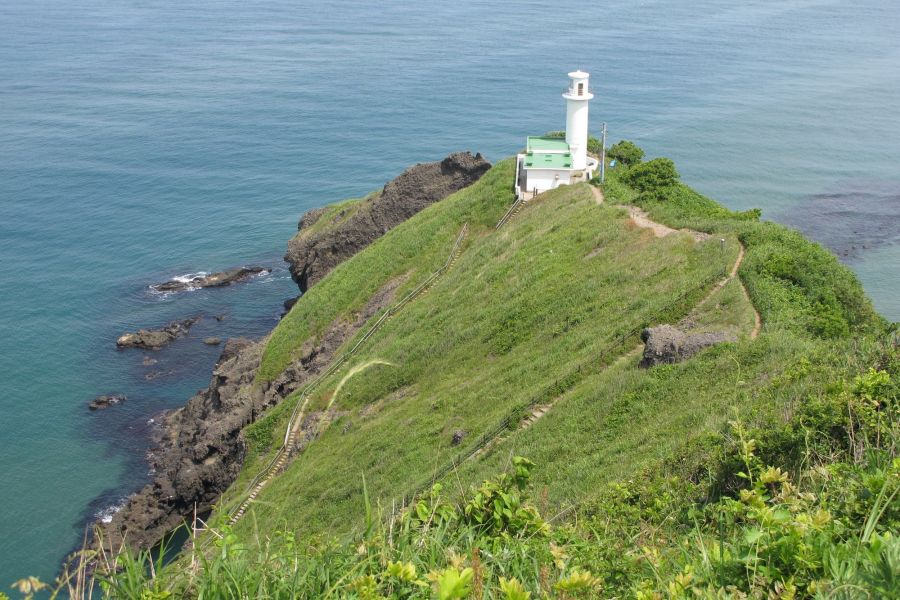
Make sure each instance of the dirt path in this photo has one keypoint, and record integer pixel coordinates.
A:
(757, 320)
(640, 218)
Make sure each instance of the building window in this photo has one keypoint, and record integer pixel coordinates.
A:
(581, 89)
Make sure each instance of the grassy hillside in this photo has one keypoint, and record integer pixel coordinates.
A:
(764, 467)
(534, 310)
(412, 250)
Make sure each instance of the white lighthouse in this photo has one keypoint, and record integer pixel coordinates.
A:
(550, 161)
(577, 97)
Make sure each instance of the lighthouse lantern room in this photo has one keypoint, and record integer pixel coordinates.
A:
(549, 162)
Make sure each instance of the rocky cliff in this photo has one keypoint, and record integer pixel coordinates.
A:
(315, 251)
(201, 450)
(199, 454)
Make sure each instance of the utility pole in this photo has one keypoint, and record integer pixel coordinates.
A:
(603, 154)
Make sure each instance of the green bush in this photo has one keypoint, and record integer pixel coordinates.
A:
(625, 153)
(654, 178)
(802, 285)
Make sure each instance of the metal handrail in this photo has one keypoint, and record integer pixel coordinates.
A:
(509, 213)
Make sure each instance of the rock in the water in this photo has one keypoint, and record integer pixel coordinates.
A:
(212, 341)
(154, 339)
(289, 304)
(202, 448)
(199, 455)
(313, 254)
(106, 400)
(220, 279)
(666, 344)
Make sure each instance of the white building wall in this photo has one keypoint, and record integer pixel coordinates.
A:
(545, 179)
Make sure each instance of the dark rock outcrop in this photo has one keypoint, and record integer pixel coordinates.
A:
(289, 304)
(220, 279)
(666, 344)
(154, 339)
(313, 254)
(201, 450)
(106, 400)
(199, 455)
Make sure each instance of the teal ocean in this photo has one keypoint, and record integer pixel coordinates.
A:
(144, 140)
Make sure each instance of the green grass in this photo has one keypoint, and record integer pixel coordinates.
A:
(415, 248)
(534, 314)
(529, 309)
(336, 214)
(727, 309)
(823, 526)
(795, 284)
(659, 481)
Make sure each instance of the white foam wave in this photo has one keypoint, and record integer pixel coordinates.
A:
(105, 515)
(187, 277)
(184, 278)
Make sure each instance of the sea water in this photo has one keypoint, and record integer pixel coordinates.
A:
(140, 141)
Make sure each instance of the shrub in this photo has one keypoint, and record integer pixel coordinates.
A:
(625, 153)
(654, 178)
(499, 507)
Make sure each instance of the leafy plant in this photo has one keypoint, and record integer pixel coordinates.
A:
(653, 178)
(578, 583)
(453, 584)
(625, 153)
(513, 589)
(499, 507)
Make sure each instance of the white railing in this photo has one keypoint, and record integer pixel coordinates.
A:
(584, 92)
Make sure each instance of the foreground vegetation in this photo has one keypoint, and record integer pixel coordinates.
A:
(822, 527)
(763, 468)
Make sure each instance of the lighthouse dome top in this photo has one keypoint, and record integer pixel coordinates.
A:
(579, 88)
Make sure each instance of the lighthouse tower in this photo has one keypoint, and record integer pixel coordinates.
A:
(577, 97)
(549, 161)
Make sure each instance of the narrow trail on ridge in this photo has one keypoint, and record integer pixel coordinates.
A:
(640, 218)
